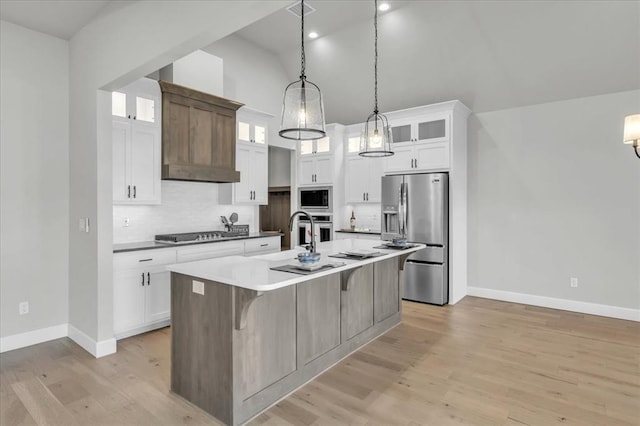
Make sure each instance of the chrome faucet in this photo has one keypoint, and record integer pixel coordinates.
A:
(312, 244)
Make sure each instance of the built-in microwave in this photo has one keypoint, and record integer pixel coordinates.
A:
(316, 199)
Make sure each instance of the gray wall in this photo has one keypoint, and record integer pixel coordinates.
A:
(280, 166)
(554, 194)
(34, 180)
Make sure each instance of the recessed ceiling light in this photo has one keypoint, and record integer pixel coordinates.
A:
(383, 7)
(313, 34)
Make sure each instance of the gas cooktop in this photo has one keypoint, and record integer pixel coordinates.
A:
(191, 237)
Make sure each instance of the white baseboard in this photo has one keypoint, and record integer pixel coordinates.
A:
(17, 341)
(555, 303)
(143, 329)
(97, 349)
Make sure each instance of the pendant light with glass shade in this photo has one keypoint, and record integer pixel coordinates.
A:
(302, 109)
(376, 135)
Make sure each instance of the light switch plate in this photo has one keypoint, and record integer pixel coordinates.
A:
(197, 287)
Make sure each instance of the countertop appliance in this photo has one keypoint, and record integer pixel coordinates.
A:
(416, 207)
(190, 237)
(317, 199)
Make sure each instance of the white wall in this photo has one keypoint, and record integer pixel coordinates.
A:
(34, 182)
(554, 194)
(186, 207)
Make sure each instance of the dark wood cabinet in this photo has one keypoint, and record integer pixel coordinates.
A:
(198, 135)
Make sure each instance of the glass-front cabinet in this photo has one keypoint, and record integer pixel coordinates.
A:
(315, 146)
(252, 126)
(433, 128)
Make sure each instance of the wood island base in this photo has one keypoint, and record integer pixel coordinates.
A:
(235, 352)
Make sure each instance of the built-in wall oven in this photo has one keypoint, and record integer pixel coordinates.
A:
(323, 228)
(316, 199)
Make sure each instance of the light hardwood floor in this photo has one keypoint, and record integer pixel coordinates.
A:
(480, 362)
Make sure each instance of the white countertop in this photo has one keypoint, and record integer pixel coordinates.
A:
(254, 273)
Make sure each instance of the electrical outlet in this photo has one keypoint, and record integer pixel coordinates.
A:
(574, 282)
(197, 287)
(23, 308)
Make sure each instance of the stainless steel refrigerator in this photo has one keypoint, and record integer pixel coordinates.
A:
(415, 207)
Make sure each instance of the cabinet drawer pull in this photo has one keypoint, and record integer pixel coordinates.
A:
(148, 278)
(145, 260)
(264, 245)
(143, 279)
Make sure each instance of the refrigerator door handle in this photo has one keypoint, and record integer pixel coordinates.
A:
(400, 213)
(405, 210)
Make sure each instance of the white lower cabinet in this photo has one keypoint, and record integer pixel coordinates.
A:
(141, 291)
(210, 251)
(258, 246)
(142, 285)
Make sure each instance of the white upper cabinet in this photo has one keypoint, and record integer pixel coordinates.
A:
(363, 175)
(315, 162)
(363, 179)
(136, 143)
(425, 129)
(252, 126)
(316, 146)
(252, 163)
(420, 143)
(252, 160)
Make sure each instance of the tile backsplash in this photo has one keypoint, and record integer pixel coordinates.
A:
(186, 207)
(367, 216)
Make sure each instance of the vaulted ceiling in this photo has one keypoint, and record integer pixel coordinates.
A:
(489, 54)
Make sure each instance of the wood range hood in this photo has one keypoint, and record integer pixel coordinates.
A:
(198, 135)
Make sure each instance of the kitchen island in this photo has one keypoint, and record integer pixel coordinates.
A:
(244, 335)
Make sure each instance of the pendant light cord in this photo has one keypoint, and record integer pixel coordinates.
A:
(302, 58)
(375, 63)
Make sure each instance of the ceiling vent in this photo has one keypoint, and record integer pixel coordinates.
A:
(296, 9)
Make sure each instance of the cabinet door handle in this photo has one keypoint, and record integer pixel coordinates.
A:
(129, 116)
(367, 196)
(134, 191)
(134, 117)
(148, 278)
(363, 196)
(143, 279)
(416, 163)
(128, 191)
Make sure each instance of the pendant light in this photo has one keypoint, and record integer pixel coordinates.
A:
(376, 135)
(302, 109)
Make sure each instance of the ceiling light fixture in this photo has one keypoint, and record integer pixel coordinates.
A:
(302, 109)
(376, 135)
(632, 131)
(384, 7)
(313, 34)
